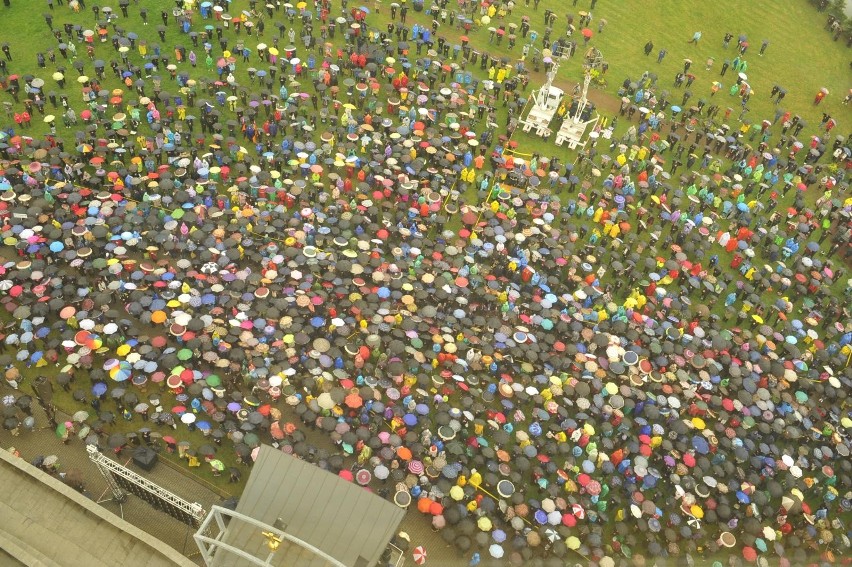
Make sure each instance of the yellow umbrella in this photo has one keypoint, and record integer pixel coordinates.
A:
(484, 524)
(123, 350)
(696, 511)
(698, 423)
(573, 543)
(758, 319)
(457, 493)
(273, 51)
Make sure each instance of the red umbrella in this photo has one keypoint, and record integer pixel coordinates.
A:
(363, 477)
(469, 218)
(587, 33)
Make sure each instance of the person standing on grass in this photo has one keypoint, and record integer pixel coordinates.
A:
(649, 47)
(661, 55)
(696, 37)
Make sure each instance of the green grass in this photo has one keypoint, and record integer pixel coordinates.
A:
(801, 57)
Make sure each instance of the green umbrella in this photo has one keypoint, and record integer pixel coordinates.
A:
(177, 214)
(213, 380)
(61, 430)
(184, 354)
(218, 465)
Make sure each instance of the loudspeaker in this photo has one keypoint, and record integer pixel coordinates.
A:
(43, 389)
(145, 458)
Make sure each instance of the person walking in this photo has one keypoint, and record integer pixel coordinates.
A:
(763, 47)
(661, 55)
(696, 37)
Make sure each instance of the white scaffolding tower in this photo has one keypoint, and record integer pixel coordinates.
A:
(119, 477)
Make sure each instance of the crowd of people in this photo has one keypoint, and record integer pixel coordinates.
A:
(607, 357)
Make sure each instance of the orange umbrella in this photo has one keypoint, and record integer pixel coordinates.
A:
(353, 401)
(423, 505)
(158, 317)
(404, 453)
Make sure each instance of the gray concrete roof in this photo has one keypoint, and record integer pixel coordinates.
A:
(340, 518)
(47, 523)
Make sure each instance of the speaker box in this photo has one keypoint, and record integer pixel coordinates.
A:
(144, 458)
(44, 389)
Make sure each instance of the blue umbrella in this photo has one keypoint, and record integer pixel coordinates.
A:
(317, 322)
(410, 419)
(743, 498)
(700, 444)
(383, 292)
(99, 389)
(57, 247)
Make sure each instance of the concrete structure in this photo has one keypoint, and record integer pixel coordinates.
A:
(311, 517)
(44, 522)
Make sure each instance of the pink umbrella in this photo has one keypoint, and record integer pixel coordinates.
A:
(415, 467)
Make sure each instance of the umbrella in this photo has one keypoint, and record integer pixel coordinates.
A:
(116, 440)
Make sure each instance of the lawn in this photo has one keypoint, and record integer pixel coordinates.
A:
(801, 57)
